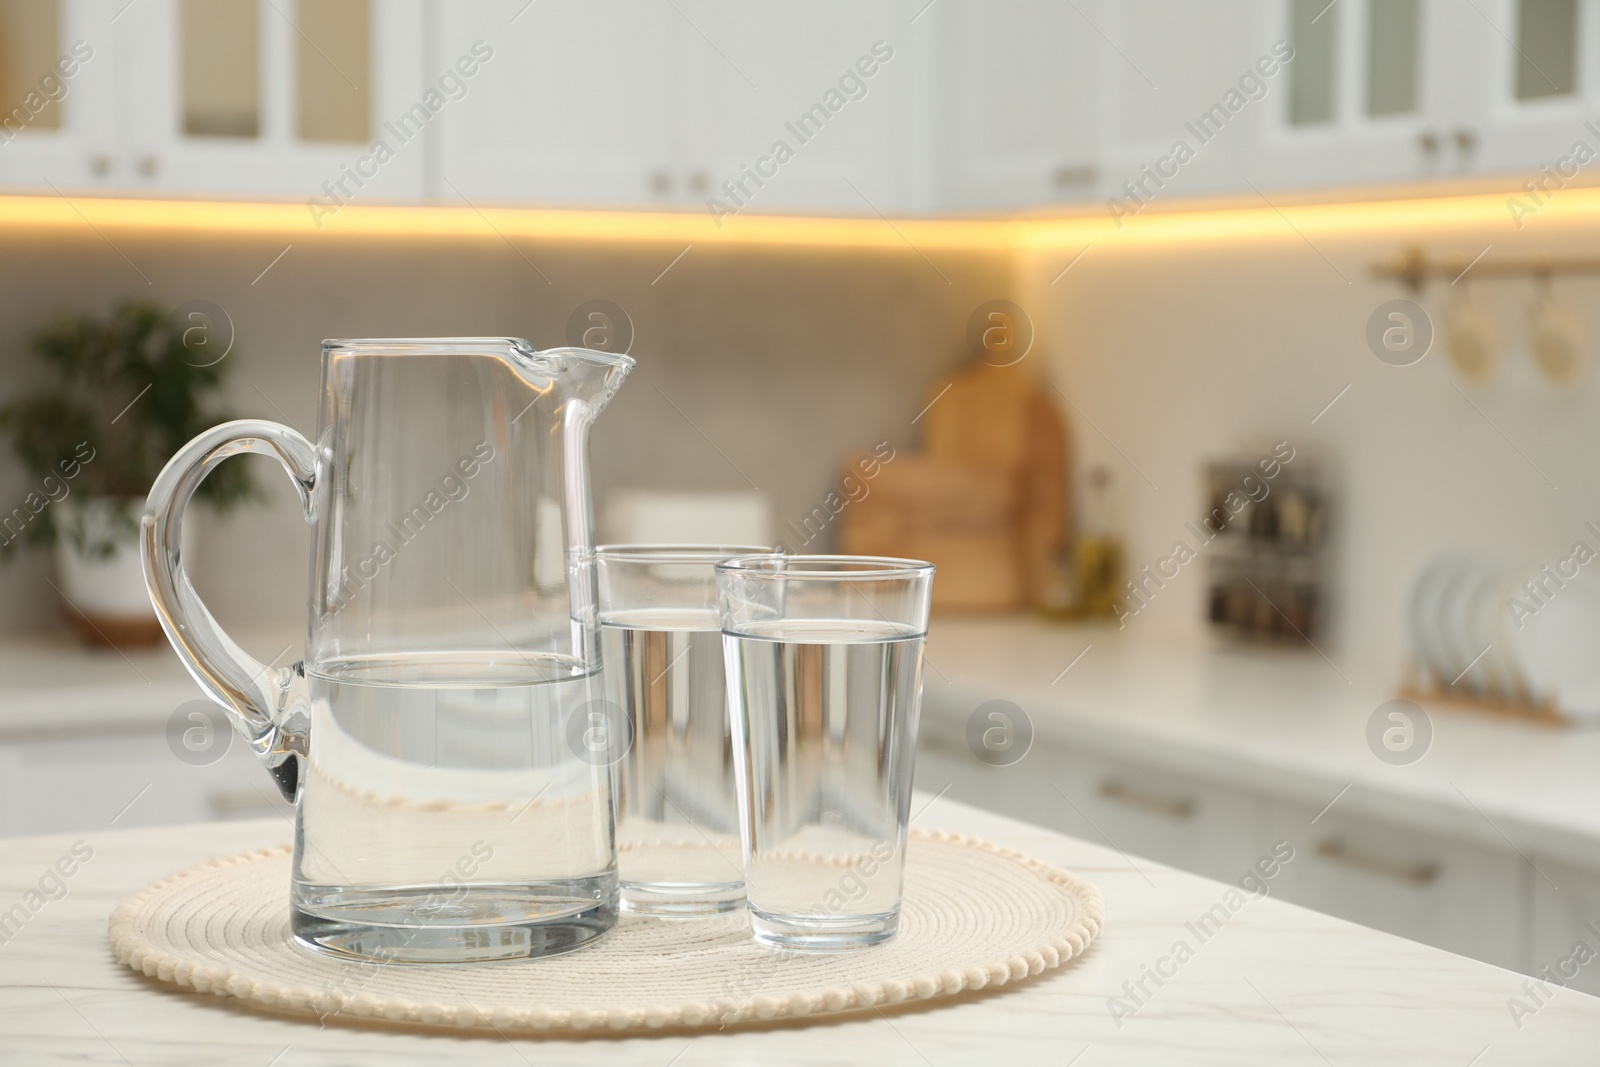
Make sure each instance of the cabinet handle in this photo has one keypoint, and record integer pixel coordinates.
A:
(1420, 873)
(1428, 141)
(1179, 808)
(1466, 141)
(660, 182)
(1074, 177)
(148, 166)
(100, 164)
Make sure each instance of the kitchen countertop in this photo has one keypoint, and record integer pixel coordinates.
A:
(54, 685)
(1276, 984)
(1283, 723)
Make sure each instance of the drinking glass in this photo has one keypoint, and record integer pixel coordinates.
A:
(661, 641)
(824, 665)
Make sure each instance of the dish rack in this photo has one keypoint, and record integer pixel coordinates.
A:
(1421, 687)
(1504, 639)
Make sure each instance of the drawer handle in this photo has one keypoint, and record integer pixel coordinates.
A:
(1172, 807)
(1420, 873)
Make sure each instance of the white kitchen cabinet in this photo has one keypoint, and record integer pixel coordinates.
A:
(1452, 894)
(681, 104)
(125, 779)
(1173, 61)
(124, 123)
(1201, 826)
(1495, 87)
(1455, 895)
(1018, 106)
(1022, 791)
(1537, 96)
(1139, 810)
(1566, 915)
(1467, 897)
(833, 83)
(71, 148)
(158, 149)
(580, 104)
(969, 106)
(1378, 90)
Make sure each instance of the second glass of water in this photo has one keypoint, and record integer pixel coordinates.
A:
(824, 665)
(661, 642)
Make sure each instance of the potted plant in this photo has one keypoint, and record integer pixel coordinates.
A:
(128, 392)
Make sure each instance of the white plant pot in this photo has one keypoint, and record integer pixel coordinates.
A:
(100, 574)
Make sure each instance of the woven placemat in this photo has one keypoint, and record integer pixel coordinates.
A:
(975, 915)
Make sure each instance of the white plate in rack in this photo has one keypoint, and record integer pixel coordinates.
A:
(1459, 627)
(1425, 620)
(1501, 671)
(1558, 648)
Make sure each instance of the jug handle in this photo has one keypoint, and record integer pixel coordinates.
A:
(266, 705)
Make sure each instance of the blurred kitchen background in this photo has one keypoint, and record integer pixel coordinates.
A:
(1303, 287)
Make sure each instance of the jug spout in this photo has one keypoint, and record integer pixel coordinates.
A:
(586, 375)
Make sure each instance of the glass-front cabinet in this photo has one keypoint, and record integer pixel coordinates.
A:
(57, 95)
(212, 97)
(894, 107)
(1393, 91)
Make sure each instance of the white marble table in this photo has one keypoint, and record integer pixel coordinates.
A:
(1273, 984)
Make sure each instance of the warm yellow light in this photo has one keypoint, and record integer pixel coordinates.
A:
(494, 223)
(1264, 221)
(1252, 220)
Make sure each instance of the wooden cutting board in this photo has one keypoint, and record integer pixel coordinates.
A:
(986, 498)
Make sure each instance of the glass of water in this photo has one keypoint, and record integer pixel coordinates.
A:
(661, 643)
(824, 667)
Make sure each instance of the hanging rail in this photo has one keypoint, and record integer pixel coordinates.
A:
(1413, 267)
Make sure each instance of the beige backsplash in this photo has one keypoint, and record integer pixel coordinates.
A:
(780, 362)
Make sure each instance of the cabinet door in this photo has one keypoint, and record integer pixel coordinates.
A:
(1175, 60)
(1019, 101)
(1141, 811)
(1195, 825)
(1566, 925)
(1020, 791)
(273, 97)
(1450, 894)
(804, 106)
(1376, 91)
(57, 129)
(1538, 87)
(123, 780)
(580, 104)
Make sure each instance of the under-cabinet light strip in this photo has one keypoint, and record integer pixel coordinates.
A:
(1217, 224)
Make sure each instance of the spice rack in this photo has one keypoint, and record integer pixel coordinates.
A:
(1266, 561)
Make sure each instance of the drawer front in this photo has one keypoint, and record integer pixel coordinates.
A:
(1138, 810)
(1566, 925)
(99, 782)
(1440, 891)
(1021, 791)
(1179, 820)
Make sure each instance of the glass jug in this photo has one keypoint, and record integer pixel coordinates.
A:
(438, 739)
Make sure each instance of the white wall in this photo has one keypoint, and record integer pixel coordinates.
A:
(1183, 352)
